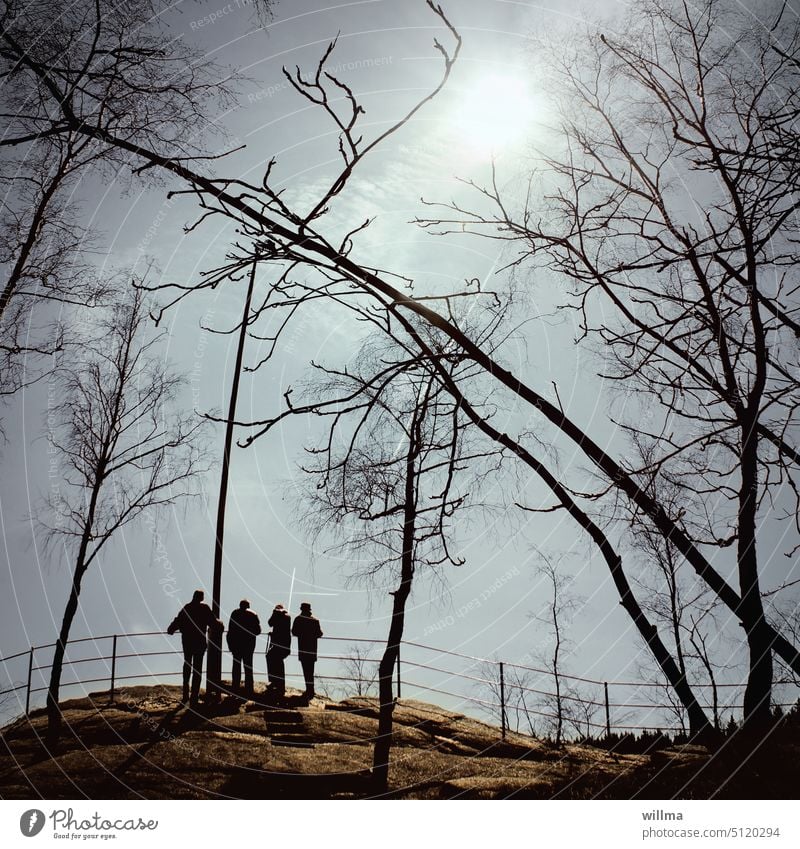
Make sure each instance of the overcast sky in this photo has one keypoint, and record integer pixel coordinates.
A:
(385, 53)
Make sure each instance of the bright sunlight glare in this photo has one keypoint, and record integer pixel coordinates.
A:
(493, 114)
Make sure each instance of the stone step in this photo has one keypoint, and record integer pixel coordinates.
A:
(284, 727)
(369, 712)
(297, 741)
(278, 715)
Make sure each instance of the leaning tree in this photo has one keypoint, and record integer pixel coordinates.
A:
(297, 237)
(670, 218)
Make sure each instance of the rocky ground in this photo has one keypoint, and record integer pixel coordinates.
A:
(148, 745)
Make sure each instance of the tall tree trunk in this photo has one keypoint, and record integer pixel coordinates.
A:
(214, 662)
(53, 709)
(37, 222)
(700, 647)
(674, 606)
(556, 675)
(81, 564)
(758, 692)
(383, 742)
(675, 618)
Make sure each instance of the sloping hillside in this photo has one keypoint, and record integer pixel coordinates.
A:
(148, 745)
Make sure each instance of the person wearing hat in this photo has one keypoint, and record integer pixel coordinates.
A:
(243, 628)
(307, 630)
(280, 647)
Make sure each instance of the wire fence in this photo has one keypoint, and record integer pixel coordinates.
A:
(516, 697)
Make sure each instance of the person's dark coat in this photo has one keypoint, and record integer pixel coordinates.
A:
(193, 620)
(307, 630)
(281, 624)
(243, 628)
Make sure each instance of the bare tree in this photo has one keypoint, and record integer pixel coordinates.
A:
(555, 615)
(786, 613)
(582, 709)
(214, 664)
(121, 449)
(41, 244)
(545, 699)
(297, 240)
(112, 65)
(700, 639)
(686, 608)
(515, 696)
(531, 704)
(360, 669)
(337, 276)
(674, 205)
(388, 480)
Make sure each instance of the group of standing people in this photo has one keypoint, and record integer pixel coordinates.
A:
(196, 619)
(307, 630)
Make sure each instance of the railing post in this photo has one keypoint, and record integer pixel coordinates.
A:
(502, 701)
(113, 668)
(608, 712)
(28, 690)
(398, 672)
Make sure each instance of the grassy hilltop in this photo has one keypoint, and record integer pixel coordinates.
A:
(148, 745)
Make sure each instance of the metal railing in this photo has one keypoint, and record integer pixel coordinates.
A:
(501, 690)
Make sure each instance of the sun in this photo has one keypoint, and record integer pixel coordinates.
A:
(494, 113)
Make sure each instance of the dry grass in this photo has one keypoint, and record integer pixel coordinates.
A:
(147, 745)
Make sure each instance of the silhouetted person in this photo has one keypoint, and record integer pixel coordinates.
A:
(243, 628)
(307, 630)
(193, 621)
(280, 647)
